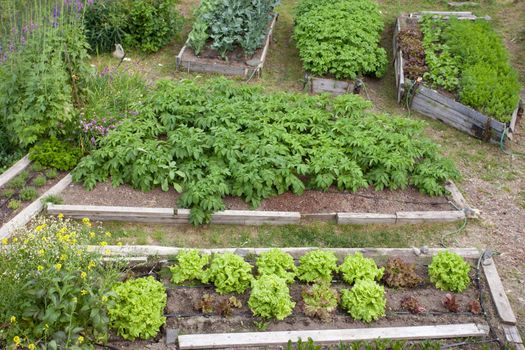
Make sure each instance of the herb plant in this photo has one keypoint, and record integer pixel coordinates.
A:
(190, 266)
(229, 273)
(28, 194)
(270, 297)
(55, 154)
(340, 38)
(399, 273)
(194, 146)
(39, 181)
(14, 204)
(449, 272)
(365, 301)
(138, 307)
(356, 267)
(317, 266)
(320, 300)
(278, 263)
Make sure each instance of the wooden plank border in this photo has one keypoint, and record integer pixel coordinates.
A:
(402, 217)
(330, 336)
(14, 170)
(498, 292)
(336, 87)
(221, 67)
(33, 209)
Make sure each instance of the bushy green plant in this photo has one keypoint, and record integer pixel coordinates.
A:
(190, 266)
(37, 167)
(278, 263)
(317, 265)
(340, 38)
(320, 300)
(14, 204)
(39, 181)
(52, 199)
(229, 273)
(270, 297)
(28, 194)
(356, 267)
(365, 301)
(105, 23)
(7, 193)
(54, 291)
(188, 135)
(55, 154)
(449, 272)
(51, 173)
(19, 181)
(138, 308)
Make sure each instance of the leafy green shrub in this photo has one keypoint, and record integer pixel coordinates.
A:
(51, 173)
(365, 301)
(320, 301)
(231, 24)
(39, 181)
(14, 204)
(229, 273)
(278, 263)
(28, 194)
(7, 193)
(54, 291)
(356, 267)
(19, 181)
(399, 273)
(317, 265)
(190, 266)
(52, 199)
(105, 23)
(291, 141)
(270, 297)
(55, 154)
(138, 308)
(37, 167)
(340, 38)
(9, 152)
(449, 272)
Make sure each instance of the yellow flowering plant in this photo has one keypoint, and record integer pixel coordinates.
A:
(55, 293)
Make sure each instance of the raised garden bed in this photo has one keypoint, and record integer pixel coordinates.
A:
(438, 104)
(14, 170)
(236, 65)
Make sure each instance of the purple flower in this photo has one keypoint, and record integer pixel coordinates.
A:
(93, 140)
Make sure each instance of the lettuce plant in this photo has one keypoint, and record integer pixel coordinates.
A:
(317, 265)
(449, 272)
(270, 297)
(399, 273)
(278, 263)
(320, 300)
(365, 301)
(356, 267)
(190, 266)
(229, 273)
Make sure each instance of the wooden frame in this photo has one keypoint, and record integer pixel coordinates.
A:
(14, 170)
(435, 105)
(196, 64)
(336, 87)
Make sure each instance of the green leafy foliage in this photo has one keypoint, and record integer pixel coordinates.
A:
(53, 199)
(229, 273)
(19, 181)
(137, 311)
(55, 154)
(365, 301)
(231, 24)
(316, 266)
(190, 266)
(39, 181)
(449, 272)
(28, 194)
(340, 38)
(400, 274)
(217, 139)
(55, 293)
(51, 173)
(356, 267)
(320, 300)
(105, 23)
(14, 204)
(270, 297)
(278, 263)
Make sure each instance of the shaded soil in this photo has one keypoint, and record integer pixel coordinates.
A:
(311, 201)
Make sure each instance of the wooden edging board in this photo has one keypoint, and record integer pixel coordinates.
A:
(435, 105)
(330, 336)
(332, 86)
(222, 67)
(33, 209)
(14, 170)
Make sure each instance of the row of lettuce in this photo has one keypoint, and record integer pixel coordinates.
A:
(57, 293)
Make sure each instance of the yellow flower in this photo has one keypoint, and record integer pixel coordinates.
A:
(12, 319)
(83, 275)
(16, 340)
(40, 267)
(92, 234)
(86, 222)
(119, 244)
(41, 252)
(60, 216)
(103, 243)
(80, 339)
(39, 228)
(31, 346)
(83, 292)
(5, 241)
(108, 234)
(107, 252)
(58, 267)
(91, 264)
(63, 257)
(15, 240)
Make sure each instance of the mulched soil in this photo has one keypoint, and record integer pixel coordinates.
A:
(311, 201)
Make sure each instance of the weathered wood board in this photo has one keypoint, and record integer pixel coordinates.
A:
(335, 87)
(365, 218)
(14, 170)
(417, 217)
(498, 292)
(330, 336)
(192, 63)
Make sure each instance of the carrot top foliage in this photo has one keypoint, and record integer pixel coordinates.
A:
(221, 138)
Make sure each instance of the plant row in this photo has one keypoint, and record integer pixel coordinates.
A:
(469, 59)
(221, 138)
(228, 25)
(340, 38)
